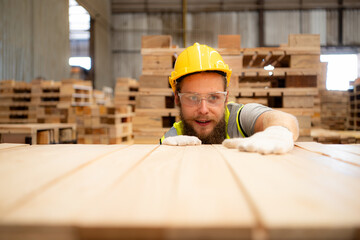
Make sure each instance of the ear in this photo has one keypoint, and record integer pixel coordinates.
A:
(227, 97)
(177, 99)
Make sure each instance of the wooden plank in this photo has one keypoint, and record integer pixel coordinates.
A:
(229, 41)
(202, 170)
(336, 153)
(300, 195)
(304, 40)
(305, 61)
(4, 146)
(156, 41)
(27, 171)
(60, 203)
(176, 195)
(151, 81)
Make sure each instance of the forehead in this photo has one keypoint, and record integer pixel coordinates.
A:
(203, 82)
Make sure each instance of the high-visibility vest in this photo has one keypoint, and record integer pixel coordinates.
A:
(233, 127)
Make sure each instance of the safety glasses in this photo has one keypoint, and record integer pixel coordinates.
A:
(194, 99)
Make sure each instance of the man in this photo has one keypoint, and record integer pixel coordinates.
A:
(199, 81)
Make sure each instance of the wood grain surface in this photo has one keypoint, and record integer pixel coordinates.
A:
(165, 192)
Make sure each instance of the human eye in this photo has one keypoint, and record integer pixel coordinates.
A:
(191, 97)
(214, 97)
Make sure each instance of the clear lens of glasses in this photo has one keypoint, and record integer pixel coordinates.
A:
(194, 99)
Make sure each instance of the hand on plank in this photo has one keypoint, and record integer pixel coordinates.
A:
(273, 140)
(182, 140)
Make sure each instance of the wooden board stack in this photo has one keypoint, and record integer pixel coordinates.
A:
(285, 78)
(335, 136)
(98, 124)
(291, 85)
(155, 107)
(334, 109)
(142, 192)
(126, 91)
(15, 102)
(353, 122)
(74, 92)
(45, 95)
(48, 133)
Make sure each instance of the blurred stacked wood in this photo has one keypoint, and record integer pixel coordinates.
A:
(119, 121)
(15, 102)
(126, 91)
(45, 95)
(35, 133)
(335, 136)
(74, 101)
(74, 92)
(103, 97)
(334, 109)
(155, 107)
(284, 78)
(353, 120)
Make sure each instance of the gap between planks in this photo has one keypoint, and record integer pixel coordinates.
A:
(47, 185)
(342, 155)
(260, 232)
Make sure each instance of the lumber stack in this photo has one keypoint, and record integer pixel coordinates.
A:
(69, 101)
(291, 86)
(107, 192)
(45, 95)
(74, 92)
(291, 83)
(15, 102)
(326, 136)
(155, 107)
(334, 109)
(353, 121)
(35, 133)
(126, 91)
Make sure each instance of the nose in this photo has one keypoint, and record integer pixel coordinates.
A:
(203, 108)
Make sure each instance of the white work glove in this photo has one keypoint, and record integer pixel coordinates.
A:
(182, 140)
(274, 139)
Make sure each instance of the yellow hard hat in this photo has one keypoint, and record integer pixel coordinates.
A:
(198, 58)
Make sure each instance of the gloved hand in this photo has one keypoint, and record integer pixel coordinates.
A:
(182, 140)
(274, 139)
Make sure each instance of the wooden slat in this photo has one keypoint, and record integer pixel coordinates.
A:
(67, 197)
(202, 171)
(27, 171)
(4, 146)
(334, 152)
(300, 195)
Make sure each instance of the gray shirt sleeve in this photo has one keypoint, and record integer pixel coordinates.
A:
(249, 115)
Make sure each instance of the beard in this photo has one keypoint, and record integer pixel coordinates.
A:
(216, 136)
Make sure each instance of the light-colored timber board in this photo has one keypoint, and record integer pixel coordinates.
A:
(336, 152)
(165, 192)
(11, 145)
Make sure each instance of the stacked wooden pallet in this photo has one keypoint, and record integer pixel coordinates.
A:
(335, 136)
(45, 95)
(291, 85)
(104, 124)
(284, 78)
(126, 91)
(334, 109)
(155, 107)
(15, 102)
(353, 122)
(48, 133)
(74, 92)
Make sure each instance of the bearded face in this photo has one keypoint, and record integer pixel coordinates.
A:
(216, 136)
(204, 119)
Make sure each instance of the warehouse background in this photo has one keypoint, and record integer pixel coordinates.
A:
(34, 40)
